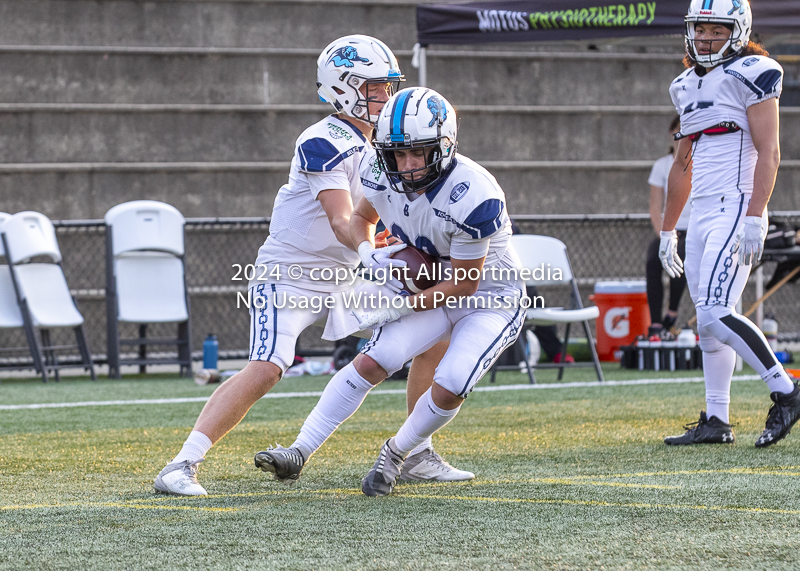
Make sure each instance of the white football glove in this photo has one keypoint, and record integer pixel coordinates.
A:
(374, 318)
(749, 240)
(380, 259)
(668, 253)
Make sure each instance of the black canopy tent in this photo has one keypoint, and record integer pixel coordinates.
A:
(555, 20)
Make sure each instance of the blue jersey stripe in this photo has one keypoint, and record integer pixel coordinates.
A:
(318, 155)
(487, 218)
(768, 81)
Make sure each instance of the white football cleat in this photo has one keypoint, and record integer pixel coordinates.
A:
(180, 479)
(428, 466)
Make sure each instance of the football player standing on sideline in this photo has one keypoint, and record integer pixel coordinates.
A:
(449, 206)
(309, 230)
(727, 158)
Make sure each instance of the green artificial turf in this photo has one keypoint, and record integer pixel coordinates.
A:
(567, 478)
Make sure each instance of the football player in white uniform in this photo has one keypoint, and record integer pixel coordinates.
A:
(727, 159)
(310, 231)
(452, 208)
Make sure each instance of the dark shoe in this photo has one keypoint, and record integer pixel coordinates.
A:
(380, 481)
(782, 415)
(704, 431)
(285, 463)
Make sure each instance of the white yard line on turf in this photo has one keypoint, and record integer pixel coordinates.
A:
(380, 392)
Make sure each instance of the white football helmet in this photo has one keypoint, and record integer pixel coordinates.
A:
(349, 62)
(734, 13)
(416, 118)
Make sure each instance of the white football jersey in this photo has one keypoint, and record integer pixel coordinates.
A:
(327, 156)
(724, 163)
(462, 216)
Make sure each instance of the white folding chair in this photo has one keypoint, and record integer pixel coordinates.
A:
(42, 295)
(146, 281)
(547, 252)
(10, 315)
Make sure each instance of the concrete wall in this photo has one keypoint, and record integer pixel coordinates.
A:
(198, 103)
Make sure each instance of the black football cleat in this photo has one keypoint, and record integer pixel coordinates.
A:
(783, 413)
(285, 463)
(704, 431)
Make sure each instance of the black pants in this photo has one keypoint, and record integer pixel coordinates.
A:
(655, 288)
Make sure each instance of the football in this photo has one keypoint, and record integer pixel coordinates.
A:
(414, 278)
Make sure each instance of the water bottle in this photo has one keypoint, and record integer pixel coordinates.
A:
(686, 338)
(210, 352)
(770, 328)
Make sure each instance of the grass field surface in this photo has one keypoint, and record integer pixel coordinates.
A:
(572, 477)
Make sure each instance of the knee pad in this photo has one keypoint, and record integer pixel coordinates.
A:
(708, 343)
(710, 326)
(707, 316)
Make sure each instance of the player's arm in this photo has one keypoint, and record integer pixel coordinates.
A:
(362, 223)
(338, 206)
(764, 129)
(763, 120)
(656, 207)
(462, 283)
(679, 184)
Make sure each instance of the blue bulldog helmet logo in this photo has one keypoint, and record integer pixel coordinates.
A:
(344, 57)
(437, 108)
(736, 5)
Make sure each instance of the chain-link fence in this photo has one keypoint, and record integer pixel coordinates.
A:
(600, 247)
(614, 247)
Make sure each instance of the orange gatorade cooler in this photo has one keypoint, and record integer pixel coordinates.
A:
(624, 315)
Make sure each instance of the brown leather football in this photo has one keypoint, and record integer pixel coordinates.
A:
(414, 278)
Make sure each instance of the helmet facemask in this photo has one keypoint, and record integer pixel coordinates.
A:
(416, 119)
(734, 42)
(414, 180)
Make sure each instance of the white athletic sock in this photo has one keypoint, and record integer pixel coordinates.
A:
(194, 448)
(339, 401)
(427, 443)
(778, 380)
(718, 368)
(424, 420)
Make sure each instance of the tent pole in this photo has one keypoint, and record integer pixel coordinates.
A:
(423, 66)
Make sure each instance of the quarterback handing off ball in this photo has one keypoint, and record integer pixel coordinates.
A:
(421, 269)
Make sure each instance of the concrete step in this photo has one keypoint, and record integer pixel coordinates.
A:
(200, 133)
(84, 191)
(216, 23)
(248, 23)
(109, 74)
